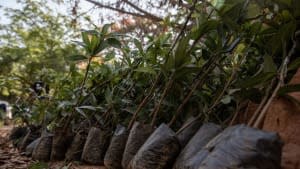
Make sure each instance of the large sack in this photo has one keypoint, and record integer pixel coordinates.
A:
(75, 150)
(242, 147)
(61, 142)
(158, 152)
(42, 150)
(137, 137)
(31, 147)
(190, 127)
(114, 153)
(198, 141)
(33, 134)
(95, 146)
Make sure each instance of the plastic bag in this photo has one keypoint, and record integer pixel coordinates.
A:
(95, 146)
(75, 150)
(242, 147)
(158, 152)
(42, 150)
(31, 147)
(61, 142)
(187, 133)
(206, 132)
(18, 132)
(33, 134)
(114, 153)
(137, 137)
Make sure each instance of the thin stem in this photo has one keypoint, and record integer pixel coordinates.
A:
(145, 100)
(151, 17)
(262, 103)
(143, 11)
(165, 92)
(205, 70)
(282, 75)
(143, 103)
(80, 96)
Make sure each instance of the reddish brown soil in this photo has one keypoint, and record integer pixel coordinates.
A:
(283, 117)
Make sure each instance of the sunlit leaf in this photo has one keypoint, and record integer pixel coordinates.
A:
(138, 44)
(85, 38)
(95, 41)
(105, 29)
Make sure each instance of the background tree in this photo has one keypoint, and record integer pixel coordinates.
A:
(34, 46)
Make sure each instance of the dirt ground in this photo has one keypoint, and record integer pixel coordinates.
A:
(10, 158)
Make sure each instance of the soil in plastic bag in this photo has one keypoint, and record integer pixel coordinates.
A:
(75, 150)
(33, 134)
(61, 142)
(42, 150)
(241, 147)
(18, 132)
(206, 132)
(158, 152)
(95, 146)
(114, 153)
(31, 147)
(187, 133)
(137, 137)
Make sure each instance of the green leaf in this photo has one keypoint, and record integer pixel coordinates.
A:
(252, 94)
(288, 89)
(102, 46)
(253, 10)
(180, 56)
(204, 28)
(114, 42)
(85, 38)
(296, 8)
(294, 65)
(77, 57)
(138, 44)
(256, 80)
(284, 3)
(38, 165)
(186, 70)
(293, 100)
(226, 99)
(88, 107)
(81, 112)
(80, 43)
(94, 44)
(105, 29)
(269, 65)
(64, 104)
(109, 56)
(145, 70)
